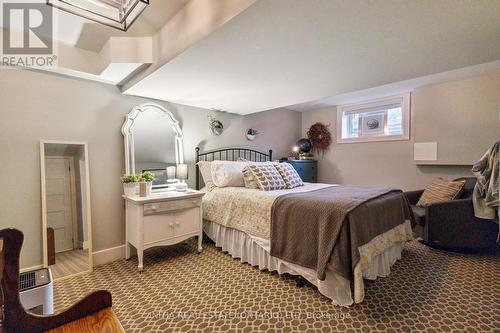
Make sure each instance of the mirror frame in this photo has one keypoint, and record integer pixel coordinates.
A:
(44, 204)
(128, 135)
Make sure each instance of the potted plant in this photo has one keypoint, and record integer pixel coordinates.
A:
(129, 184)
(251, 134)
(146, 183)
(215, 125)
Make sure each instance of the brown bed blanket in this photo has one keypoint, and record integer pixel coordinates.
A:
(310, 228)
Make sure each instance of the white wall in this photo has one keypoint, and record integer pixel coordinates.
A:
(35, 106)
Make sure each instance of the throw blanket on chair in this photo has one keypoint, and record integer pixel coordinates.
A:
(485, 196)
(487, 172)
(312, 228)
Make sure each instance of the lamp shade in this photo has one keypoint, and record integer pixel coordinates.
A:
(170, 172)
(182, 171)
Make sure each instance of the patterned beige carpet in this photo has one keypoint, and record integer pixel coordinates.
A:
(180, 291)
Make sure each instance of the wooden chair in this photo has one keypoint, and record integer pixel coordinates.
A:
(91, 314)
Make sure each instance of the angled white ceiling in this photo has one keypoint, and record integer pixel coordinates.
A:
(76, 31)
(399, 87)
(279, 53)
(92, 51)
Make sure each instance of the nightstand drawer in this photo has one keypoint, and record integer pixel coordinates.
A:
(170, 206)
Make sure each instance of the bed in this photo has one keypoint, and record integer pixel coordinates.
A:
(256, 227)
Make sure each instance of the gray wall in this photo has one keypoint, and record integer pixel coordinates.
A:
(36, 106)
(462, 116)
(449, 120)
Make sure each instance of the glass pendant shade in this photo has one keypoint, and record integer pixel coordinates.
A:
(119, 14)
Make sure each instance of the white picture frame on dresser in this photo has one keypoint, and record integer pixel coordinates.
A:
(162, 219)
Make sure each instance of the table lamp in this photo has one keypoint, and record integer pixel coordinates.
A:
(182, 174)
(171, 170)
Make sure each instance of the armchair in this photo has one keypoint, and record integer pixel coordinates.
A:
(91, 314)
(452, 225)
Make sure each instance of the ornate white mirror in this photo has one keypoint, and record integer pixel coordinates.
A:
(153, 142)
(66, 215)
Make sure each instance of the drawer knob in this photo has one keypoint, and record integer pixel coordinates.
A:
(177, 223)
(171, 224)
(195, 202)
(154, 208)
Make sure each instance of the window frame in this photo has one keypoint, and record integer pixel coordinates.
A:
(403, 99)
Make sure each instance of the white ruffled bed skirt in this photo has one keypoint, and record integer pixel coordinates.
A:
(376, 260)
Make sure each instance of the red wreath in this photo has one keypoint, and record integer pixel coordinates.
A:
(320, 136)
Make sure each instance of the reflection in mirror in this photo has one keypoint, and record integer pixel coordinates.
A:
(154, 145)
(66, 208)
(153, 142)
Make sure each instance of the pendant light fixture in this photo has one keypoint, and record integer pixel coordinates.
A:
(119, 14)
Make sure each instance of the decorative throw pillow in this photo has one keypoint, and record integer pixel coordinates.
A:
(441, 190)
(289, 175)
(267, 176)
(206, 174)
(249, 179)
(228, 173)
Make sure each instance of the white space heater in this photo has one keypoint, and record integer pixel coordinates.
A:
(36, 291)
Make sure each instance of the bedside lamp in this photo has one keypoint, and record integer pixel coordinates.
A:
(182, 174)
(171, 170)
(294, 153)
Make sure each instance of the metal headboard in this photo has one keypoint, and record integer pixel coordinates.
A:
(229, 154)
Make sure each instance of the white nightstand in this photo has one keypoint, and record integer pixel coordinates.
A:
(164, 218)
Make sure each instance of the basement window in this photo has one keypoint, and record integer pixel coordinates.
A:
(386, 119)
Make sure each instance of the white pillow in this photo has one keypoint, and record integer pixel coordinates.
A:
(206, 174)
(228, 173)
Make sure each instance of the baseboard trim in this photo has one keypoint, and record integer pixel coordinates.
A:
(100, 257)
(32, 268)
(108, 255)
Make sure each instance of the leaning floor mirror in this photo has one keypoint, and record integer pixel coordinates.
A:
(66, 216)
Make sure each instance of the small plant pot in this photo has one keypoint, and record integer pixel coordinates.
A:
(145, 188)
(129, 189)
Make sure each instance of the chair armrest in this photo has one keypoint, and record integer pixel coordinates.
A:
(92, 303)
(413, 196)
(453, 223)
(459, 207)
(14, 317)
